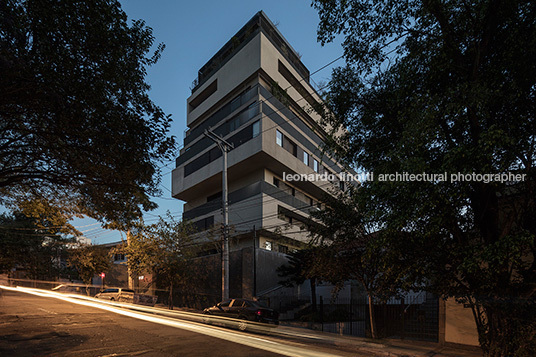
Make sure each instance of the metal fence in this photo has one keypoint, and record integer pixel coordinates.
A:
(414, 318)
(418, 320)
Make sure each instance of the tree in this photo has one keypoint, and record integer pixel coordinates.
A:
(350, 252)
(164, 248)
(77, 127)
(302, 266)
(89, 261)
(31, 248)
(447, 87)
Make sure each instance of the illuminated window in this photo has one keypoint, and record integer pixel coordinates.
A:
(315, 165)
(279, 138)
(306, 158)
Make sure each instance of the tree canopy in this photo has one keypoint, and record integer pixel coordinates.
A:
(90, 260)
(447, 87)
(32, 246)
(77, 126)
(164, 249)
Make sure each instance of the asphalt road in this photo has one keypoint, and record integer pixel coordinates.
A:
(41, 326)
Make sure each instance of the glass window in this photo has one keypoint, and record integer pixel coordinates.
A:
(306, 158)
(315, 165)
(268, 245)
(235, 103)
(225, 303)
(256, 128)
(237, 303)
(279, 138)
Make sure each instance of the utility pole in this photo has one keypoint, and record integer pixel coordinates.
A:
(254, 262)
(129, 271)
(225, 147)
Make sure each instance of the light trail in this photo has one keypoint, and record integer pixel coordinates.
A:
(243, 339)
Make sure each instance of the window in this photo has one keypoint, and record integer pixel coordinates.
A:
(225, 303)
(286, 188)
(234, 124)
(236, 103)
(306, 158)
(279, 138)
(118, 257)
(290, 146)
(315, 165)
(216, 196)
(268, 245)
(237, 303)
(301, 196)
(204, 223)
(284, 217)
(211, 89)
(341, 185)
(276, 182)
(256, 128)
(282, 249)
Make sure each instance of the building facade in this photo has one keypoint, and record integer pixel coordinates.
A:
(255, 93)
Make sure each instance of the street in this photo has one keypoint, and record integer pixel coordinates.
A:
(36, 322)
(39, 326)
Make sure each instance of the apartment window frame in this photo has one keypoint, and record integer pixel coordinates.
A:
(316, 166)
(279, 138)
(305, 158)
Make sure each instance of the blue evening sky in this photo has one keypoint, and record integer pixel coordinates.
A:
(193, 32)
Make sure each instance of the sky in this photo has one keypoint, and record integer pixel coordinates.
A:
(193, 32)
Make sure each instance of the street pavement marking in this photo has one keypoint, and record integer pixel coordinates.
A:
(48, 312)
(246, 340)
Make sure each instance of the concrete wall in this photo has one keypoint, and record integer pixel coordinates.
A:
(267, 263)
(234, 72)
(270, 56)
(460, 326)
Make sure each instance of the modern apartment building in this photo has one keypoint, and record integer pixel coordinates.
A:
(255, 93)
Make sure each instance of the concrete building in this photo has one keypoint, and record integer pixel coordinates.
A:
(255, 93)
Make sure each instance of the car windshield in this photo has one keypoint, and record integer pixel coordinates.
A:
(224, 303)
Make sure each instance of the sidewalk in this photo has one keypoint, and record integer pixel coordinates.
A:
(399, 348)
(389, 347)
(361, 346)
(420, 348)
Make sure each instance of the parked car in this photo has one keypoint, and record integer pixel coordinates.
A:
(116, 294)
(244, 310)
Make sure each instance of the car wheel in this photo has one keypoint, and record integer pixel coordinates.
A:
(243, 324)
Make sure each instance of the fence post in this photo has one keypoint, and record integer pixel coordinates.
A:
(322, 312)
(351, 315)
(403, 332)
